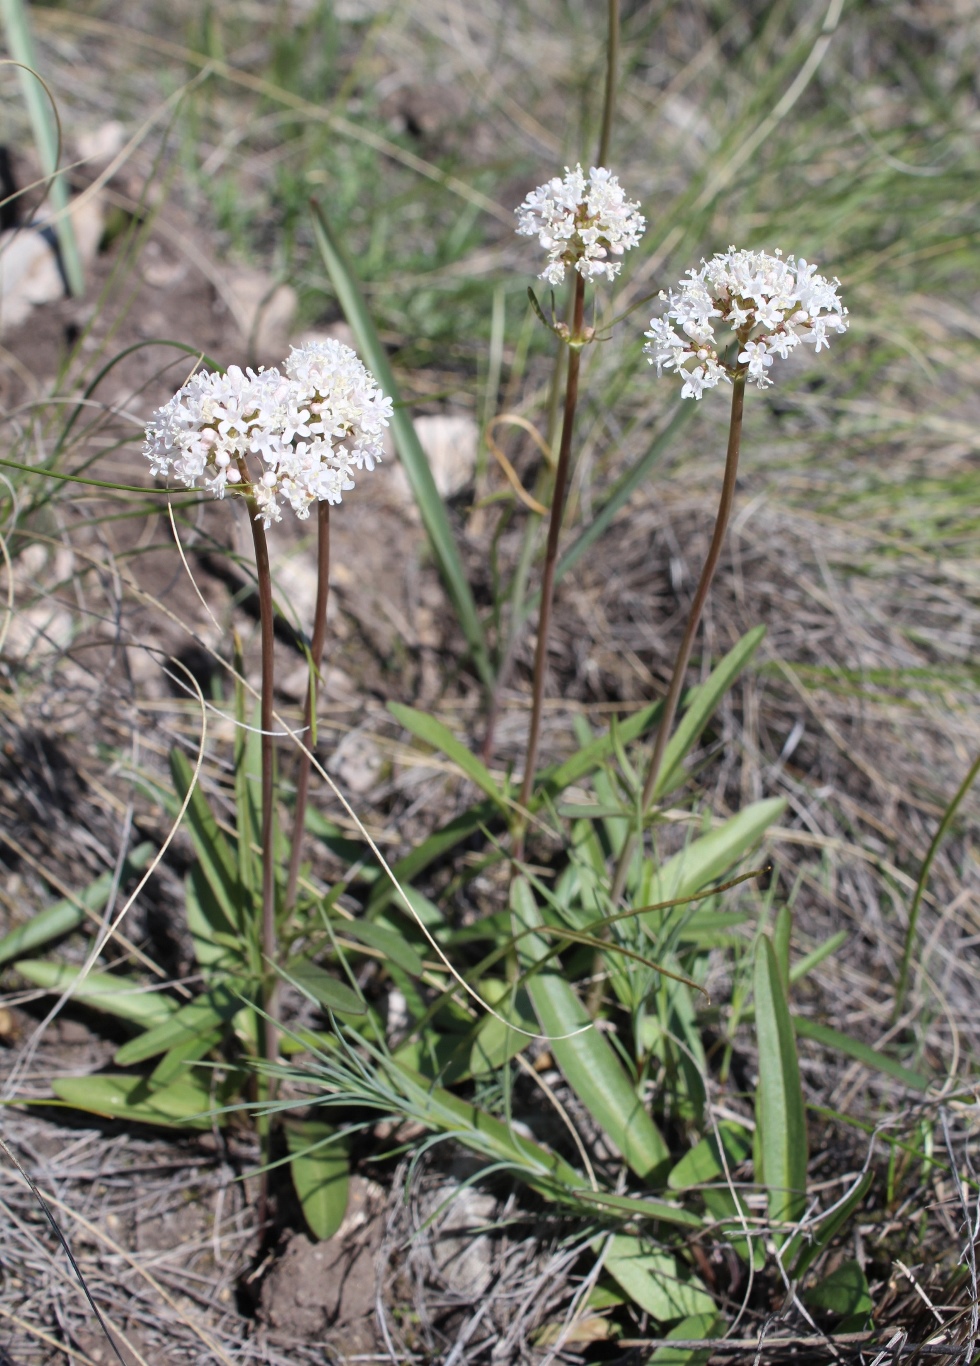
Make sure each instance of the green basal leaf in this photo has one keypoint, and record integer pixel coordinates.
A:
(656, 1280)
(434, 733)
(385, 940)
(321, 987)
(704, 1164)
(692, 1328)
(107, 991)
(583, 1054)
(185, 1104)
(202, 1015)
(320, 1171)
(65, 916)
(845, 1291)
(780, 1112)
(175, 1062)
(707, 858)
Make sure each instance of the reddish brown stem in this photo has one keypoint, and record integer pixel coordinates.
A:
(693, 621)
(551, 551)
(263, 572)
(317, 643)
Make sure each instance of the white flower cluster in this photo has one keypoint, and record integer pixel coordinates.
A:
(581, 222)
(293, 437)
(771, 304)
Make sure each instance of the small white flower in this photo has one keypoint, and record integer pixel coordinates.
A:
(772, 305)
(304, 431)
(581, 221)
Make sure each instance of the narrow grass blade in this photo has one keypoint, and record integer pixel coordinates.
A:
(47, 135)
(937, 839)
(344, 278)
(780, 1113)
(583, 1054)
(860, 1052)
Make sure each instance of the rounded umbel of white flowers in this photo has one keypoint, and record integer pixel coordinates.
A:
(581, 221)
(772, 304)
(292, 438)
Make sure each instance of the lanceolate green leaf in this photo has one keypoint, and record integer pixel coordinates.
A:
(707, 858)
(779, 1109)
(199, 1016)
(65, 916)
(434, 733)
(185, 1104)
(106, 991)
(655, 1279)
(384, 940)
(416, 466)
(704, 1162)
(319, 1168)
(322, 987)
(586, 1059)
(700, 706)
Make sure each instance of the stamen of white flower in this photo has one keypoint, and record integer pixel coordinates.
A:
(772, 304)
(580, 221)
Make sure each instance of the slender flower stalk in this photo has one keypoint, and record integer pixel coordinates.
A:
(690, 631)
(278, 439)
(269, 941)
(317, 642)
(581, 222)
(771, 305)
(551, 551)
